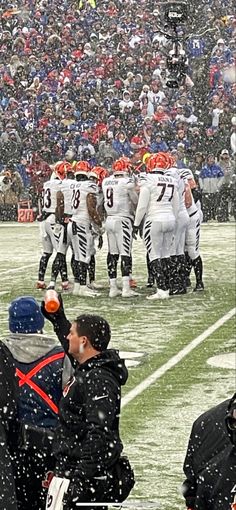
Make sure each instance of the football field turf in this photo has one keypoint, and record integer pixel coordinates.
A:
(179, 366)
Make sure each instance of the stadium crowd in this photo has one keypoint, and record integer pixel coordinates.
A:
(87, 81)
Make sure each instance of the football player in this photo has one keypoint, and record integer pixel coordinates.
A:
(193, 228)
(63, 213)
(120, 199)
(177, 260)
(84, 212)
(97, 174)
(158, 202)
(50, 229)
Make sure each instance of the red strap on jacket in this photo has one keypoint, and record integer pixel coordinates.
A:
(26, 379)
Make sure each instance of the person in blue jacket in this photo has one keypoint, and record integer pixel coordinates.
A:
(158, 144)
(41, 371)
(211, 178)
(122, 145)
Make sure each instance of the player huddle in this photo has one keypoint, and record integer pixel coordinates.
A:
(155, 199)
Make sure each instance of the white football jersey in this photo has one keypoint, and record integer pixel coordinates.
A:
(67, 188)
(162, 189)
(80, 212)
(117, 192)
(50, 189)
(173, 172)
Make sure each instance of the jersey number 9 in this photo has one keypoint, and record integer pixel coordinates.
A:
(109, 197)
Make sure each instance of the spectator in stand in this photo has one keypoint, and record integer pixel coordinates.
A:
(197, 164)
(126, 101)
(233, 136)
(181, 159)
(158, 144)
(11, 188)
(225, 191)
(64, 74)
(122, 145)
(210, 180)
(39, 172)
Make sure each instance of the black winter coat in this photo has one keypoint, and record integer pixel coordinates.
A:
(208, 438)
(87, 441)
(217, 481)
(8, 397)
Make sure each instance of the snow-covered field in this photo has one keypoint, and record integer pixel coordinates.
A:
(156, 423)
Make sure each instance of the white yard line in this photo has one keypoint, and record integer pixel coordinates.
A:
(151, 379)
(16, 269)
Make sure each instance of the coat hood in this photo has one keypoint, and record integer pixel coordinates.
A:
(111, 361)
(29, 347)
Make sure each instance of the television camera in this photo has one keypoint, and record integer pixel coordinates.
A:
(175, 15)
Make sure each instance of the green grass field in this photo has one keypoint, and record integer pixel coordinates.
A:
(156, 423)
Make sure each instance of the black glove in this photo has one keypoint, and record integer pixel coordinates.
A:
(56, 316)
(100, 242)
(135, 232)
(60, 323)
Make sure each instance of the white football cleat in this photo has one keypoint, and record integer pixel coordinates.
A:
(114, 292)
(160, 294)
(76, 289)
(51, 285)
(94, 286)
(84, 291)
(129, 293)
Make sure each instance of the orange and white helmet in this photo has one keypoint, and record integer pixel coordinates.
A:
(172, 160)
(159, 161)
(82, 168)
(121, 165)
(61, 168)
(99, 173)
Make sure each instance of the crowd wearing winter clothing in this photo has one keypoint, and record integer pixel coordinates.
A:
(88, 81)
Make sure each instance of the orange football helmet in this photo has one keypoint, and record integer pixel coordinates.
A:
(82, 167)
(157, 161)
(121, 165)
(99, 173)
(61, 168)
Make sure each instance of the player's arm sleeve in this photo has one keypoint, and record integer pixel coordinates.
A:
(133, 196)
(60, 206)
(143, 201)
(91, 201)
(188, 199)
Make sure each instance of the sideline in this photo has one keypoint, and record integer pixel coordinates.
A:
(151, 379)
